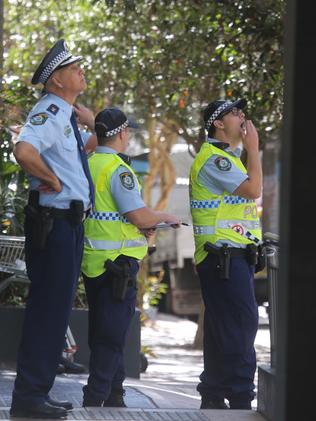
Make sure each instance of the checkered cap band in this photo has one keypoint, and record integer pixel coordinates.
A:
(117, 130)
(48, 70)
(216, 113)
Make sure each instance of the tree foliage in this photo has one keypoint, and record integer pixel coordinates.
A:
(162, 59)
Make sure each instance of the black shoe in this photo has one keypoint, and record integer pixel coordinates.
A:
(240, 405)
(62, 404)
(72, 367)
(115, 400)
(90, 402)
(42, 410)
(213, 404)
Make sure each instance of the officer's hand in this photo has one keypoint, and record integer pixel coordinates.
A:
(173, 221)
(84, 116)
(250, 136)
(148, 232)
(51, 188)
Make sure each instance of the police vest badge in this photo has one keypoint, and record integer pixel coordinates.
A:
(223, 163)
(127, 180)
(38, 119)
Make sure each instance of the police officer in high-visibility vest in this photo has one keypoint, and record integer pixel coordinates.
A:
(227, 234)
(115, 241)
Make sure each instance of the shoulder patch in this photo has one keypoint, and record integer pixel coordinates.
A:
(53, 109)
(127, 180)
(38, 119)
(223, 163)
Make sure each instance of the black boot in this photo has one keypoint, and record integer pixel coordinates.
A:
(91, 402)
(42, 410)
(240, 404)
(89, 399)
(115, 399)
(240, 401)
(61, 404)
(207, 403)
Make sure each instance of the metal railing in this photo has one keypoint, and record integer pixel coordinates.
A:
(271, 242)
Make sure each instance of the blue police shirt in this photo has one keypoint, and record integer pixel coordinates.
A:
(48, 129)
(218, 181)
(126, 198)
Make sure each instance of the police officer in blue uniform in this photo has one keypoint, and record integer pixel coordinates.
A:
(51, 150)
(115, 241)
(227, 232)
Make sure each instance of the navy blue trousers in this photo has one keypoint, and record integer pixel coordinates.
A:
(109, 320)
(53, 273)
(230, 327)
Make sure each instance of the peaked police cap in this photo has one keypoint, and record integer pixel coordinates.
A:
(112, 121)
(217, 109)
(58, 56)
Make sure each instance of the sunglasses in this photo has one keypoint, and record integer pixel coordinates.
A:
(234, 111)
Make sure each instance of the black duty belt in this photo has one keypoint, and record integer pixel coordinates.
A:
(62, 213)
(233, 251)
(225, 253)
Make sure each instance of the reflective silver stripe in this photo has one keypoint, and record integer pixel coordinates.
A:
(114, 245)
(204, 204)
(108, 216)
(203, 230)
(229, 223)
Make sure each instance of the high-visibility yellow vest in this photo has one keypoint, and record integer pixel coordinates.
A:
(107, 233)
(220, 217)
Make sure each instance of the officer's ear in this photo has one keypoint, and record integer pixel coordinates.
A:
(123, 133)
(56, 81)
(218, 124)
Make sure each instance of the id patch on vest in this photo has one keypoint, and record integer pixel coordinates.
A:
(223, 163)
(67, 131)
(127, 180)
(38, 119)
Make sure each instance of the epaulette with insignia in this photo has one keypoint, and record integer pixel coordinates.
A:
(53, 109)
(125, 158)
(38, 119)
(221, 145)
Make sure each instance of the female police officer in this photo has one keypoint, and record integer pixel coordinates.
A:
(226, 227)
(114, 243)
(50, 149)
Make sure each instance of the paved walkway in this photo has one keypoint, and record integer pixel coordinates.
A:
(165, 392)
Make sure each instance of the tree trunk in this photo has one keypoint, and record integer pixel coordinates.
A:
(161, 140)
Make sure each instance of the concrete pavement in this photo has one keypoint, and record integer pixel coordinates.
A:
(165, 392)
